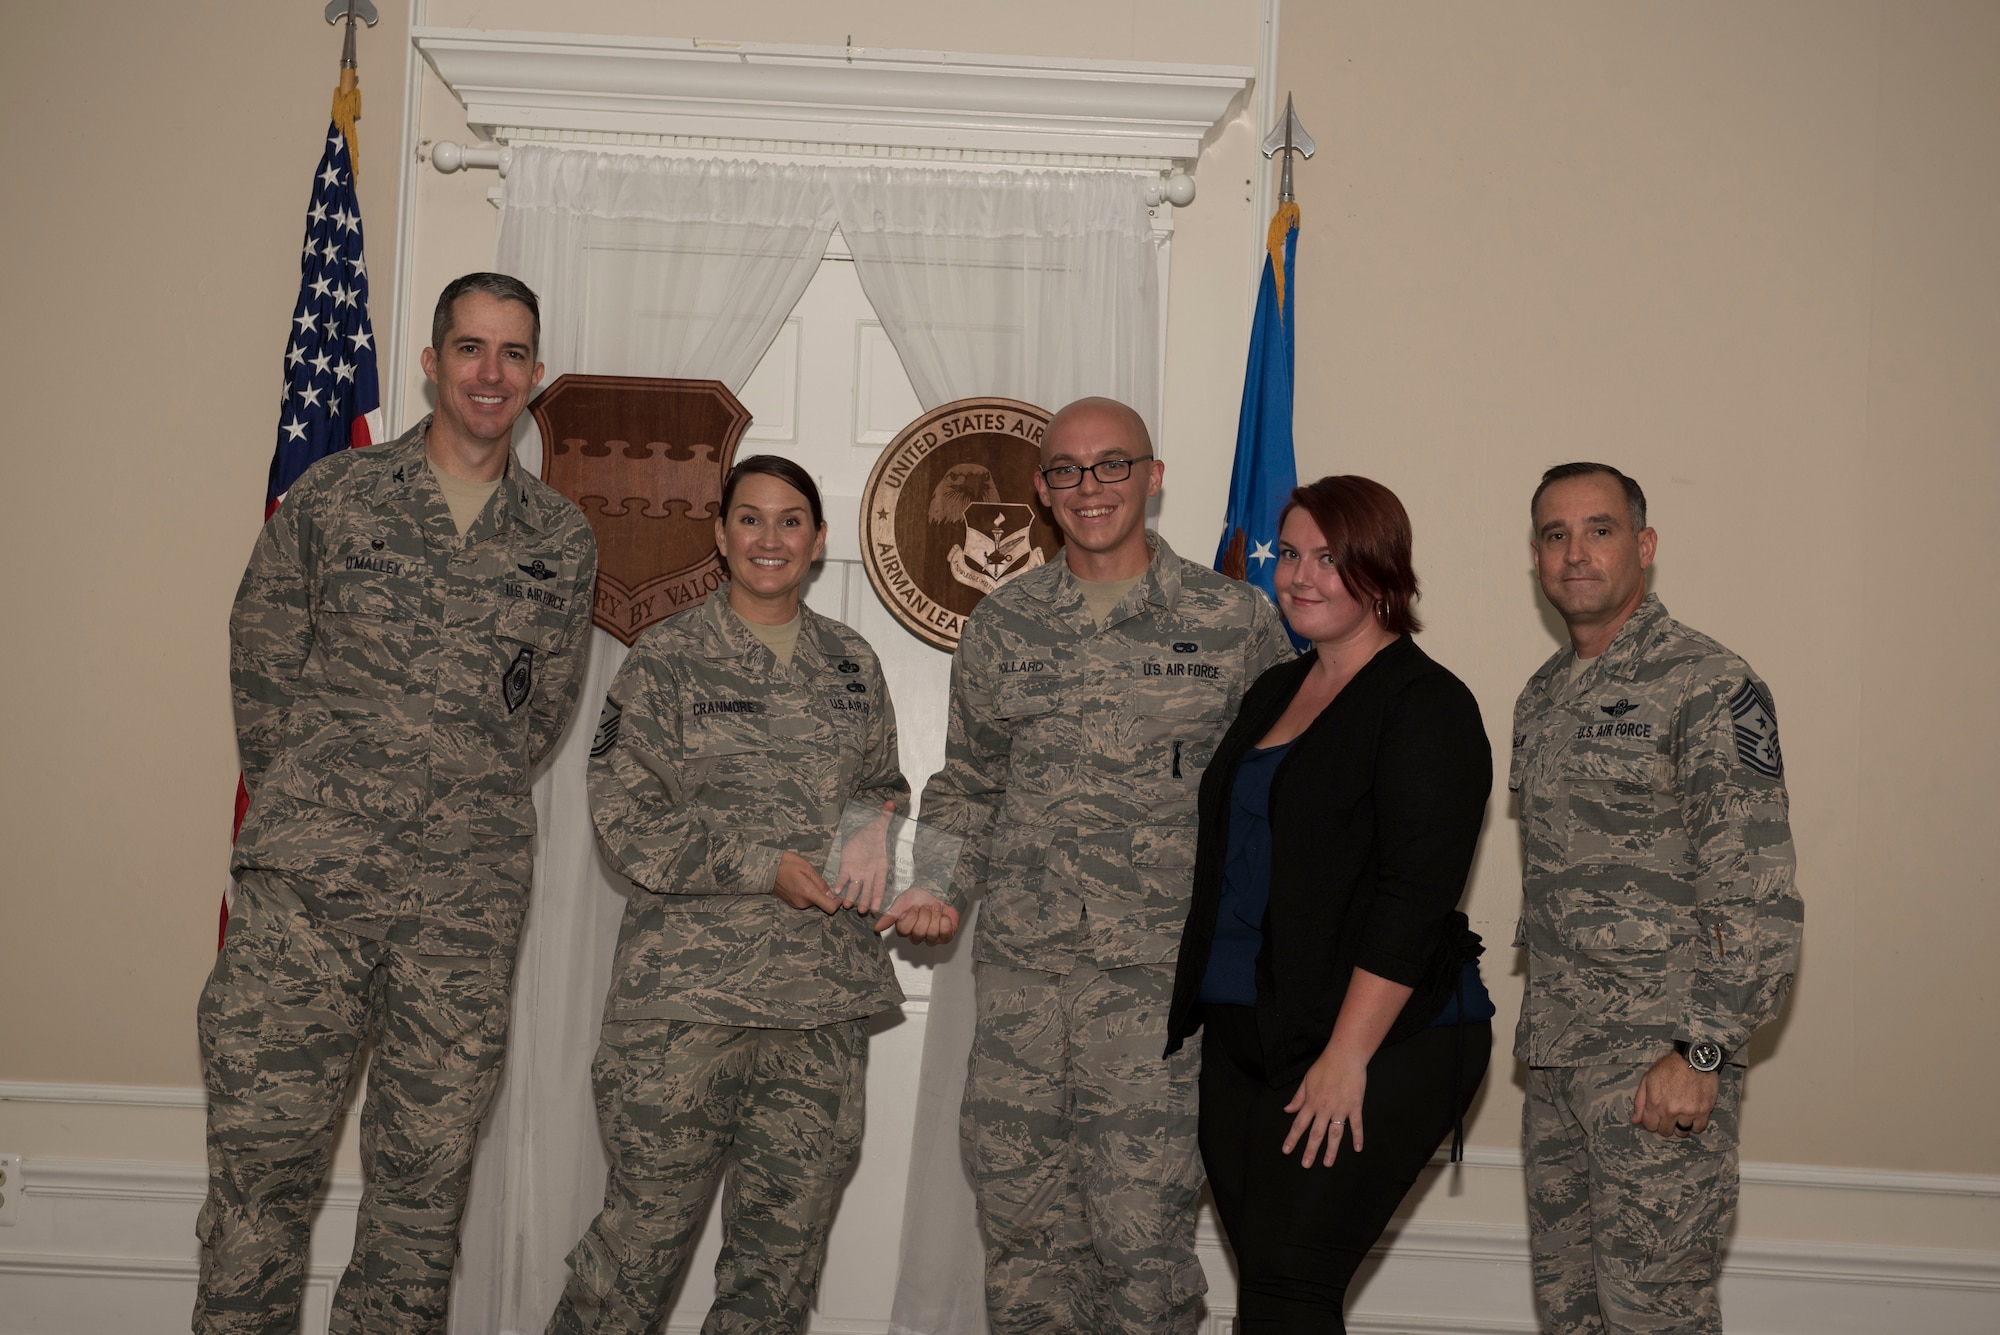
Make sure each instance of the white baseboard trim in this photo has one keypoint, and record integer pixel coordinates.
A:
(133, 1180)
(1851, 1263)
(1492, 1157)
(131, 1096)
(1361, 1324)
(1831, 1176)
(109, 1245)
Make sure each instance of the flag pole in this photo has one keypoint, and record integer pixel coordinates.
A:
(1265, 470)
(1287, 137)
(332, 394)
(347, 97)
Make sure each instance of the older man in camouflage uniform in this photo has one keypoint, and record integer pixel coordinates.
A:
(1661, 923)
(1087, 697)
(405, 648)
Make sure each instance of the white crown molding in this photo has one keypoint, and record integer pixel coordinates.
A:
(547, 83)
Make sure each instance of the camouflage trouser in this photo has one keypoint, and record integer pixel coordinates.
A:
(680, 1103)
(1626, 1226)
(288, 1007)
(1080, 1140)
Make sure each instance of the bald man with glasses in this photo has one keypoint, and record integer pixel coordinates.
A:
(1087, 697)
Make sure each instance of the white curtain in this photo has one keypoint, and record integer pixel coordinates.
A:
(644, 266)
(1040, 286)
(1043, 287)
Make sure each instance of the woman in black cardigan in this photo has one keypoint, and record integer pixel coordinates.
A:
(1324, 957)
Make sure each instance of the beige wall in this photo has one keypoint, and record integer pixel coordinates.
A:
(157, 161)
(1746, 253)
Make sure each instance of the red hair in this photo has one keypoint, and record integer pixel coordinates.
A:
(1367, 533)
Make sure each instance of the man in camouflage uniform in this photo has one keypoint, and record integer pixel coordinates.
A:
(1087, 697)
(402, 658)
(736, 1030)
(1660, 918)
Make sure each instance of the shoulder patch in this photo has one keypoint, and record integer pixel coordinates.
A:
(1757, 731)
(606, 735)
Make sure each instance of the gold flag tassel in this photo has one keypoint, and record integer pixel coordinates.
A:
(1282, 222)
(1287, 138)
(347, 97)
(347, 110)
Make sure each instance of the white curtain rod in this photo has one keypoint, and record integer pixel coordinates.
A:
(449, 156)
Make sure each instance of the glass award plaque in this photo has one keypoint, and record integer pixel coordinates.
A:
(878, 854)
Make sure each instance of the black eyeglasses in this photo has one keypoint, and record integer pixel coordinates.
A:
(1064, 476)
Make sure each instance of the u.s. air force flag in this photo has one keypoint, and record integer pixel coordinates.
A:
(1265, 471)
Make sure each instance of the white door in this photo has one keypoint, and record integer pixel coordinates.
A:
(830, 394)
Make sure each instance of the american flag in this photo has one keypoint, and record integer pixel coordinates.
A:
(332, 398)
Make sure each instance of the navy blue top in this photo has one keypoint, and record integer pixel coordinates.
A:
(1231, 979)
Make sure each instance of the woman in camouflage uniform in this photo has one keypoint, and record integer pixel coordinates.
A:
(735, 1032)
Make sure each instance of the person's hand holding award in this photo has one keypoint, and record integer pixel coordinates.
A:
(862, 880)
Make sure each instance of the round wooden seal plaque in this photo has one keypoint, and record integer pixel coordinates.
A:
(950, 513)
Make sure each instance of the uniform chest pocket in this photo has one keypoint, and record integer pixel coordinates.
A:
(1615, 933)
(711, 734)
(367, 593)
(1032, 709)
(523, 623)
(1177, 731)
(366, 631)
(1618, 806)
(523, 641)
(846, 712)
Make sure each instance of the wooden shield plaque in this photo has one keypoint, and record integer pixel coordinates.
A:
(950, 513)
(644, 460)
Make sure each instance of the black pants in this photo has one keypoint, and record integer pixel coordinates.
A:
(1299, 1233)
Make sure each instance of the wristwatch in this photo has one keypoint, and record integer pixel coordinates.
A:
(1705, 1056)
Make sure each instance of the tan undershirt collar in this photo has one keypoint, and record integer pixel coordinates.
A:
(780, 640)
(464, 499)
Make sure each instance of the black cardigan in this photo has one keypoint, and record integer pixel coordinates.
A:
(1375, 813)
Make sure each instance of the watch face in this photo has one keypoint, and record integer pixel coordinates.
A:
(1705, 1056)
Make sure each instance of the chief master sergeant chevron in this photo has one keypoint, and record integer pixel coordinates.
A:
(1087, 696)
(405, 648)
(1660, 918)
